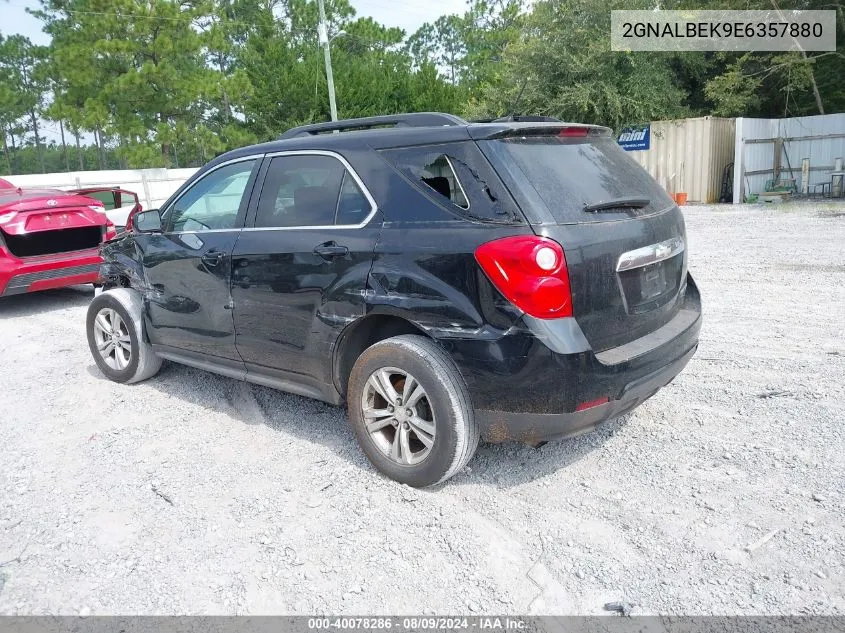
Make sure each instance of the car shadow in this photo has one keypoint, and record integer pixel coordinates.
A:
(304, 418)
(43, 301)
(501, 465)
(512, 464)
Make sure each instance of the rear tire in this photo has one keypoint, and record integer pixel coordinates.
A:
(117, 345)
(428, 432)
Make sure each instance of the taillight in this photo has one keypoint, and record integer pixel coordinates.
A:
(592, 403)
(570, 132)
(530, 272)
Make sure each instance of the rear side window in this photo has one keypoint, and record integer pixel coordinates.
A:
(459, 177)
(310, 190)
(440, 176)
(571, 173)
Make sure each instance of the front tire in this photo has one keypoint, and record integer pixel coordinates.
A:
(115, 341)
(411, 412)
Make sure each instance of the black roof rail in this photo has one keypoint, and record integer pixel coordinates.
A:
(412, 119)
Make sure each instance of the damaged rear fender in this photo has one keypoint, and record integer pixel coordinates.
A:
(121, 268)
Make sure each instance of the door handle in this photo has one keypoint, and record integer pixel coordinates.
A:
(330, 250)
(212, 258)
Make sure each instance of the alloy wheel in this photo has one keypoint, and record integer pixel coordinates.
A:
(398, 416)
(111, 335)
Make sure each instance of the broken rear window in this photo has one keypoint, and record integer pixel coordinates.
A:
(458, 176)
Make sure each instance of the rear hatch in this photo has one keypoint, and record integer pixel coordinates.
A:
(623, 236)
(45, 222)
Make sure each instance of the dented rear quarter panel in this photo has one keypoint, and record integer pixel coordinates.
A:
(424, 267)
(424, 271)
(122, 264)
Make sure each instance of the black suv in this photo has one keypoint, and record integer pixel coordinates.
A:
(446, 280)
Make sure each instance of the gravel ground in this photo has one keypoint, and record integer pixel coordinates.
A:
(193, 493)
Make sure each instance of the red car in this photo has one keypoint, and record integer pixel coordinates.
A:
(49, 238)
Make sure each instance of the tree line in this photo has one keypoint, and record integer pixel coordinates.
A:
(150, 83)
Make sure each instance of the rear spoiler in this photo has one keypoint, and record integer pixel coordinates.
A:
(496, 130)
(519, 118)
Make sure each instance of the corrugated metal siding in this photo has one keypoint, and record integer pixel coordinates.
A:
(723, 140)
(821, 152)
(689, 155)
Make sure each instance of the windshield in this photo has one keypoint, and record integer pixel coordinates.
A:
(570, 174)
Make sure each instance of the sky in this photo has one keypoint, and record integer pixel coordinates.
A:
(406, 14)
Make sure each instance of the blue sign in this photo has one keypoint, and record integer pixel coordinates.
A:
(635, 138)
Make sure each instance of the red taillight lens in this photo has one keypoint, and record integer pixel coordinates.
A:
(592, 403)
(530, 272)
(569, 132)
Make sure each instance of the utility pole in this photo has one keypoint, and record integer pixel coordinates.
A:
(323, 35)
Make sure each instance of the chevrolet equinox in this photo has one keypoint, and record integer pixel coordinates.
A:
(448, 281)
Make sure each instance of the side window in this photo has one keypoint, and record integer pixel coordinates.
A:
(106, 197)
(212, 202)
(127, 199)
(309, 190)
(460, 177)
(440, 176)
(353, 207)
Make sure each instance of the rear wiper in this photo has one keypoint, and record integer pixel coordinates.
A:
(618, 203)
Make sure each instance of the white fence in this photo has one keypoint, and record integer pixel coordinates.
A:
(153, 186)
(769, 149)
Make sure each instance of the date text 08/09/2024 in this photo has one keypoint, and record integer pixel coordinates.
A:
(417, 623)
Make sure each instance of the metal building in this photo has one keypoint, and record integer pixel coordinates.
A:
(689, 155)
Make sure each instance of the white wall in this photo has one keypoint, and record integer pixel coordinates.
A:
(153, 186)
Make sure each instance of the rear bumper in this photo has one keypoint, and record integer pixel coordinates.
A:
(499, 426)
(20, 275)
(523, 390)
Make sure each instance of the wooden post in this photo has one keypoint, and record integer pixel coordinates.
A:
(146, 186)
(776, 159)
(805, 176)
(739, 155)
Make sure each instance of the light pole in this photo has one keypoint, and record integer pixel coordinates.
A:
(323, 36)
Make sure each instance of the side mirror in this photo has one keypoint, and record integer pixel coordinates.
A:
(147, 221)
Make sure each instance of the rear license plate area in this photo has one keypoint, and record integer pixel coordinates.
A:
(651, 286)
(652, 281)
